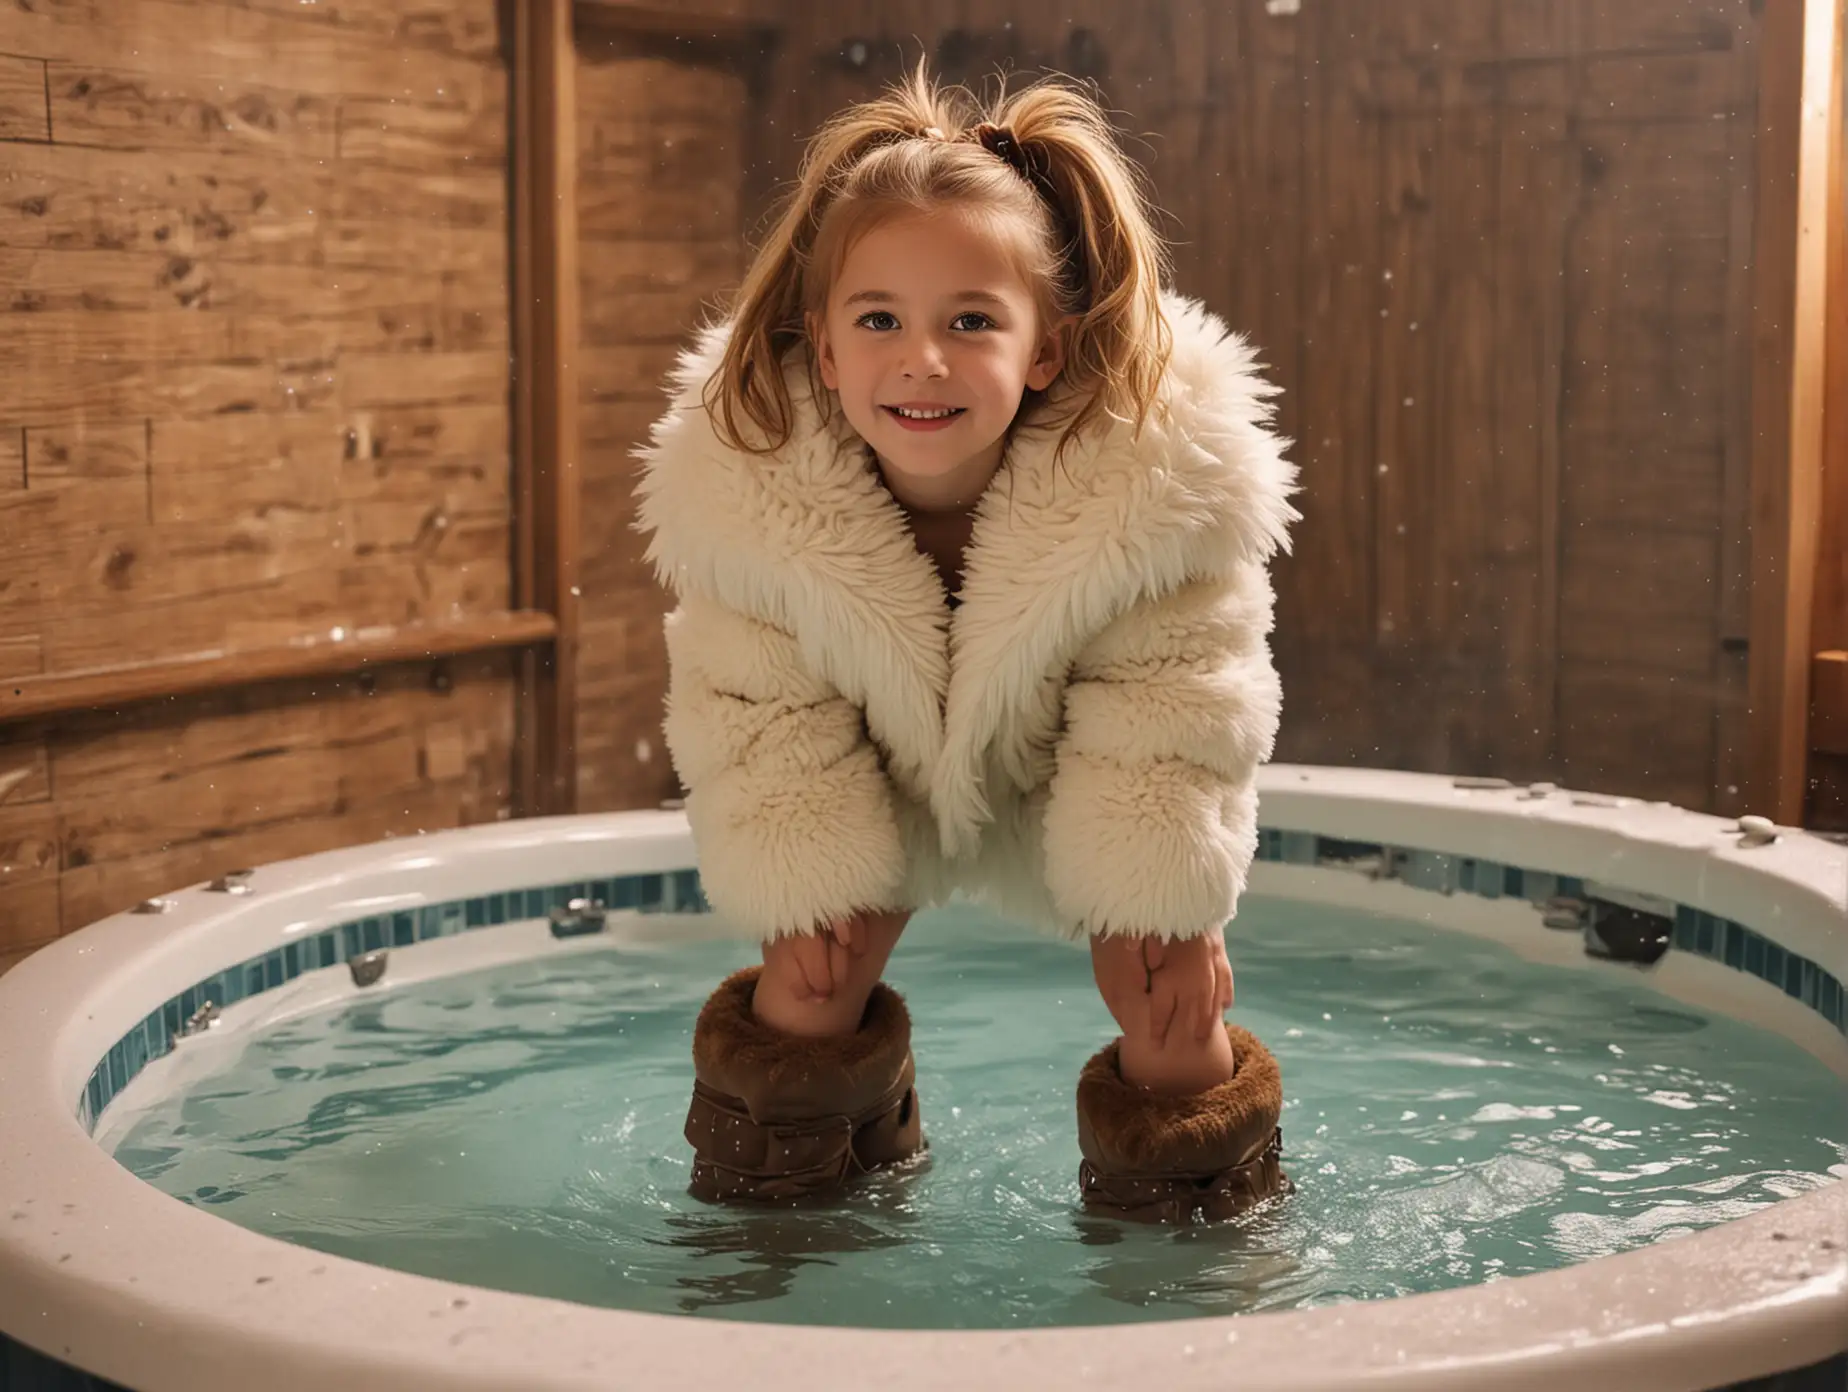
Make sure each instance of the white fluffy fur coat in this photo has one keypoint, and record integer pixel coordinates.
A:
(1076, 743)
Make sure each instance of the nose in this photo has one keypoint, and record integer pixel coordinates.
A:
(924, 358)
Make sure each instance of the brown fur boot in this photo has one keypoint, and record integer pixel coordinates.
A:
(777, 1116)
(1155, 1158)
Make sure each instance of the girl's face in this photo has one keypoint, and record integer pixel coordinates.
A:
(930, 337)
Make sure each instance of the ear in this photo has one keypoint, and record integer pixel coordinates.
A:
(1050, 359)
(824, 352)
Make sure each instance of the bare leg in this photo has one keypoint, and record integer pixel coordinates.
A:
(783, 1001)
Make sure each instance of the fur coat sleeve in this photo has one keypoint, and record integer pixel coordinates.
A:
(1168, 714)
(779, 775)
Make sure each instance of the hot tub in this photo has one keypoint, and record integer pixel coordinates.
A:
(101, 1272)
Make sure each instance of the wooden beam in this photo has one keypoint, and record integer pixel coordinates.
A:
(546, 438)
(1830, 625)
(1826, 786)
(1797, 47)
(312, 655)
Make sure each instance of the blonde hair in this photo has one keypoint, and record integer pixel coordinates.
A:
(1043, 159)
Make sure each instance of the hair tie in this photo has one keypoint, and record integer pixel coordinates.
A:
(1000, 142)
(1028, 161)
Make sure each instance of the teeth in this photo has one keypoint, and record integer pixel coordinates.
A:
(937, 414)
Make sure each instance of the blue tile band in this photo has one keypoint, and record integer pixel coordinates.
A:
(1720, 940)
(1703, 934)
(674, 892)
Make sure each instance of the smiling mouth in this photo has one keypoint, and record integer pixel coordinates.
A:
(925, 413)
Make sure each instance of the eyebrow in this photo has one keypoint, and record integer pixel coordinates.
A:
(887, 297)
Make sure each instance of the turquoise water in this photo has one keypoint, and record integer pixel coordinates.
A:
(1454, 1115)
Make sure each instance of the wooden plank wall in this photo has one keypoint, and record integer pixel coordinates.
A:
(253, 383)
(662, 177)
(1499, 255)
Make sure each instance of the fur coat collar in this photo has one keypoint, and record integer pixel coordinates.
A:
(809, 540)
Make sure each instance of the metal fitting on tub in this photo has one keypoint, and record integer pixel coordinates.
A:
(368, 967)
(579, 918)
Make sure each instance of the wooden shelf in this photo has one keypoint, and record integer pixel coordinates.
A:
(316, 655)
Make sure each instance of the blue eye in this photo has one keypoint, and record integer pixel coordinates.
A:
(982, 321)
(889, 320)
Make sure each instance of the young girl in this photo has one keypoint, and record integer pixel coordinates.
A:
(967, 519)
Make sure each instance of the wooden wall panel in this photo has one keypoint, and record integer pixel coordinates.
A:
(153, 111)
(189, 790)
(25, 113)
(25, 773)
(1328, 586)
(662, 156)
(253, 386)
(467, 31)
(1645, 441)
(29, 891)
(330, 50)
(116, 808)
(189, 250)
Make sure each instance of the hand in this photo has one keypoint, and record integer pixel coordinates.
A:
(1147, 983)
(1188, 978)
(814, 965)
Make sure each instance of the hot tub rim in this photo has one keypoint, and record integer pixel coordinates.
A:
(1757, 1270)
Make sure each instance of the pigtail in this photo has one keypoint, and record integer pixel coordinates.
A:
(1114, 264)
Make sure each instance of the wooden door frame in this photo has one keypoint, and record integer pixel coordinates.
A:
(1828, 731)
(1798, 123)
(546, 435)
